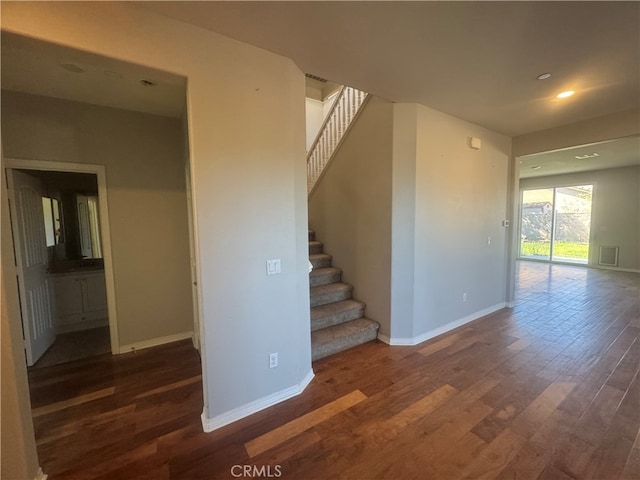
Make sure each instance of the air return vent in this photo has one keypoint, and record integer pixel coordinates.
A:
(313, 77)
(609, 256)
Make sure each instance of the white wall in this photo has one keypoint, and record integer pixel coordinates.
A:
(316, 112)
(607, 127)
(403, 207)
(246, 134)
(414, 217)
(350, 209)
(147, 200)
(328, 103)
(314, 118)
(448, 239)
(615, 216)
(461, 200)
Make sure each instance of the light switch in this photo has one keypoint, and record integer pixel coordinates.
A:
(274, 266)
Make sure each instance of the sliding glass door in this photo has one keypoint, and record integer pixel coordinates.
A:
(555, 224)
(536, 224)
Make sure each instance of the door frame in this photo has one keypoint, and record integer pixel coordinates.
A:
(105, 230)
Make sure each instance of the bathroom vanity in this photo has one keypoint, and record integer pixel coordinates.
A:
(81, 299)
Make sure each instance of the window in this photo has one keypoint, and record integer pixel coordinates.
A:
(555, 224)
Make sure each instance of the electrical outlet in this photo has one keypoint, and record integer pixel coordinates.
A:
(273, 360)
(464, 297)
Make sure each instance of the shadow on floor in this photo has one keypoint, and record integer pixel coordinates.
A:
(75, 346)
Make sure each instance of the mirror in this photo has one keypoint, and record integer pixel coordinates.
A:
(52, 221)
(89, 226)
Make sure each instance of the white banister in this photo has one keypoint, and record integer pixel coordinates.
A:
(343, 111)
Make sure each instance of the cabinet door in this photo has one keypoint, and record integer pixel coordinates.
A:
(96, 292)
(69, 293)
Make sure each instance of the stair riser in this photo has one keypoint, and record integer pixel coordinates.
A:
(345, 343)
(337, 318)
(323, 298)
(312, 235)
(315, 248)
(320, 262)
(324, 279)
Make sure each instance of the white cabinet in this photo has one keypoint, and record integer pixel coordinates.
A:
(81, 300)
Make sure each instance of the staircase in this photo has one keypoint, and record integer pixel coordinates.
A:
(339, 119)
(337, 320)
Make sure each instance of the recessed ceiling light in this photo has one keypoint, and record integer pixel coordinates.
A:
(536, 167)
(544, 76)
(566, 94)
(147, 83)
(73, 68)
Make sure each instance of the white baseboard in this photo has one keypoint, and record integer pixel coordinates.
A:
(615, 269)
(154, 342)
(423, 337)
(41, 475)
(511, 304)
(211, 424)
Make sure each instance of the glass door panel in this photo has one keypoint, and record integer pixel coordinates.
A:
(536, 224)
(572, 224)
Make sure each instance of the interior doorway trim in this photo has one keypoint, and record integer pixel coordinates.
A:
(103, 206)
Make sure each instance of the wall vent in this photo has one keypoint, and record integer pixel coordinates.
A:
(314, 77)
(609, 256)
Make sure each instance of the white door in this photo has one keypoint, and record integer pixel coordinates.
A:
(36, 293)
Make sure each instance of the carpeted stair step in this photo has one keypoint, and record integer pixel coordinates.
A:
(312, 235)
(324, 276)
(320, 260)
(315, 247)
(335, 313)
(334, 292)
(328, 341)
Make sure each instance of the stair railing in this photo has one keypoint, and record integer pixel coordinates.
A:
(343, 112)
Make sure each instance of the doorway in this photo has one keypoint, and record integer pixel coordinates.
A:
(555, 224)
(75, 292)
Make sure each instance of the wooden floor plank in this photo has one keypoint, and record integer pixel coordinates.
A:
(171, 386)
(289, 430)
(547, 390)
(631, 469)
(80, 399)
(493, 459)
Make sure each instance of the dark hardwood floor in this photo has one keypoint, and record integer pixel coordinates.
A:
(547, 390)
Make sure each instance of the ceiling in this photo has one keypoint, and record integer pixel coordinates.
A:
(41, 68)
(621, 152)
(475, 60)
